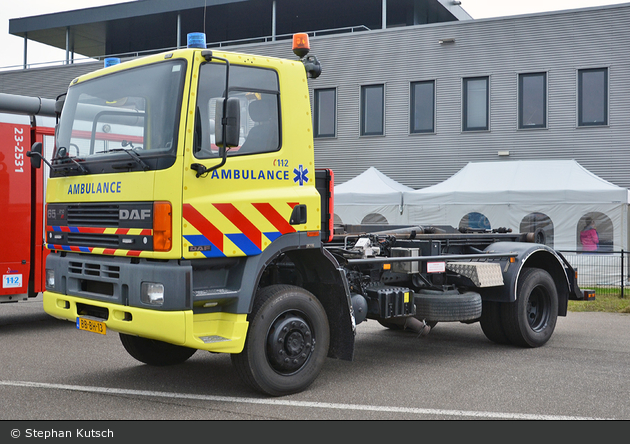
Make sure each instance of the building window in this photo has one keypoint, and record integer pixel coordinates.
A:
(476, 104)
(325, 112)
(422, 103)
(372, 110)
(532, 100)
(593, 97)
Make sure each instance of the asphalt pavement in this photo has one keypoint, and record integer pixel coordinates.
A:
(52, 371)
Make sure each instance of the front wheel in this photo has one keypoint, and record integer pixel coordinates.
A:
(154, 352)
(287, 341)
(531, 319)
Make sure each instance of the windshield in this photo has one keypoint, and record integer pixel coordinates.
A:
(126, 120)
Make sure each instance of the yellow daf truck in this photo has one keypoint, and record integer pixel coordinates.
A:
(185, 212)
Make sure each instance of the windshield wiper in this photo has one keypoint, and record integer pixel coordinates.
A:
(62, 155)
(135, 156)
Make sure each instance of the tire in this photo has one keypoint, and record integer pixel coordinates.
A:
(531, 319)
(448, 307)
(491, 322)
(540, 236)
(287, 341)
(154, 352)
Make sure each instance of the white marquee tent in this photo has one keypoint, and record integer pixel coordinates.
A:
(367, 196)
(557, 195)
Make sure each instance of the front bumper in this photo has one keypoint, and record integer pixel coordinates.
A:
(215, 332)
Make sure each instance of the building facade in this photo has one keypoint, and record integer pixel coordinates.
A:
(419, 103)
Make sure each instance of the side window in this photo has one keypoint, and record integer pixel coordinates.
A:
(532, 100)
(325, 112)
(260, 130)
(593, 97)
(422, 103)
(257, 91)
(373, 110)
(476, 104)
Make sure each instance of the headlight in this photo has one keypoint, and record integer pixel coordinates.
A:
(152, 293)
(50, 278)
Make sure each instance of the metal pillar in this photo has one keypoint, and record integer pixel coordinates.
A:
(68, 45)
(179, 30)
(273, 21)
(622, 273)
(384, 15)
(25, 49)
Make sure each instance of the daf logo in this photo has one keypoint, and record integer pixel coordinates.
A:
(134, 214)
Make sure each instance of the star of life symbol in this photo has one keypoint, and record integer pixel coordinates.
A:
(300, 175)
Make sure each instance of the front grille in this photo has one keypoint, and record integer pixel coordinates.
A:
(93, 240)
(93, 269)
(107, 225)
(93, 215)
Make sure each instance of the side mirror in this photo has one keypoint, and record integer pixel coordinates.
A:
(232, 120)
(35, 154)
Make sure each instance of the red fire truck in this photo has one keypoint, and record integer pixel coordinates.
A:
(23, 121)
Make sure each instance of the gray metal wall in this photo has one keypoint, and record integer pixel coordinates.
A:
(48, 82)
(556, 43)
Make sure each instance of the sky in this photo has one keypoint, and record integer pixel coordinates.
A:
(12, 51)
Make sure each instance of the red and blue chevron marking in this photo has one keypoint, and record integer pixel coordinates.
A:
(249, 240)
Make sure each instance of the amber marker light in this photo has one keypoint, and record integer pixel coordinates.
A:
(387, 266)
(301, 46)
(162, 226)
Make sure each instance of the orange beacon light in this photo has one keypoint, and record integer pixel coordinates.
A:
(301, 46)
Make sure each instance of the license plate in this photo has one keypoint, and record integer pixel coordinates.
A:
(91, 325)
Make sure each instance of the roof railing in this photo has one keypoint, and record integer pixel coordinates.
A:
(267, 39)
(221, 44)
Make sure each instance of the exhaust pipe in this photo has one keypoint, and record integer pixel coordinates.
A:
(413, 324)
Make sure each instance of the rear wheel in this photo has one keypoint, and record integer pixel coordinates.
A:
(154, 352)
(531, 319)
(287, 341)
(491, 322)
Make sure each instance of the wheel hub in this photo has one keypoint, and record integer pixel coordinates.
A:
(537, 311)
(290, 343)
